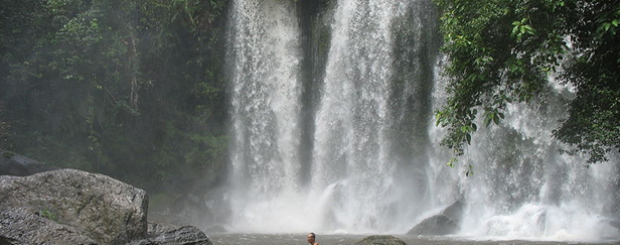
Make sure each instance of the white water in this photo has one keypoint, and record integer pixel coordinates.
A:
(377, 166)
(352, 138)
(265, 92)
(523, 187)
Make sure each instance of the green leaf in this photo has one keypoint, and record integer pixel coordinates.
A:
(487, 120)
(451, 162)
(515, 29)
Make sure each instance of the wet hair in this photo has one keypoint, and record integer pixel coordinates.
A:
(313, 235)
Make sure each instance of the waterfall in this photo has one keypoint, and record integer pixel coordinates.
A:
(265, 91)
(357, 137)
(365, 156)
(523, 186)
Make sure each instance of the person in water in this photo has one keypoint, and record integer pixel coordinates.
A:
(311, 239)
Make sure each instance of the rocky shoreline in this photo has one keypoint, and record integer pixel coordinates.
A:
(68, 206)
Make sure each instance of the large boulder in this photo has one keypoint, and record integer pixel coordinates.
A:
(104, 209)
(445, 223)
(383, 240)
(437, 225)
(454, 211)
(18, 226)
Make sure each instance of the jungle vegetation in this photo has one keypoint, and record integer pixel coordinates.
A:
(131, 89)
(503, 51)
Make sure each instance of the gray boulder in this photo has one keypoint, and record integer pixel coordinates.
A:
(104, 209)
(445, 223)
(380, 240)
(437, 225)
(454, 211)
(155, 229)
(18, 226)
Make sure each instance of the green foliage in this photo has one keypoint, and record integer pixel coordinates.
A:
(48, 215)
(503, 50)
(132, 89)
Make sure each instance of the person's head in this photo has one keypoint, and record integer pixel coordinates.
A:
(311, 237)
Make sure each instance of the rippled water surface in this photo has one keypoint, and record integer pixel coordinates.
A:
(300, 239)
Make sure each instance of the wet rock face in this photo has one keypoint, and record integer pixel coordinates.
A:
(454, 211)
(437, 225)
(383, 240)
(441, 224)
(102, 208)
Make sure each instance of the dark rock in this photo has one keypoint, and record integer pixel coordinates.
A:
(18, 226)
(437, 225)
(18, 165)
(445, 223)
(454, 211)
(104, 209)
(186, 235)
(380, 240)
(155, 229)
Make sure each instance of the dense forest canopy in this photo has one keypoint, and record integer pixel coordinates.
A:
(132, 89)
(504, 50)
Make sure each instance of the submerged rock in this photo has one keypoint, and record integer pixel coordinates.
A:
(380, 240)
(102, 208)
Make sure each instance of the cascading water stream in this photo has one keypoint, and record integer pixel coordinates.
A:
(265, 91)
(356, 138)
(376, 165)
